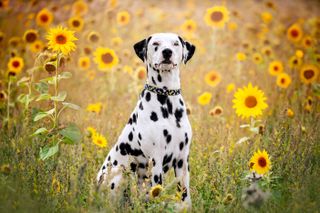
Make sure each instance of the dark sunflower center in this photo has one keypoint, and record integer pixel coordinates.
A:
(123, 19)
(295, 61)
(308, 42)
(76, 23)
(262, 162)
(84, 63)
(251, 102)
(11, 73)
(61, 39)
(99, 142)
(94, 38)
(216, 16)
(308, 74)
(1, 96)
(189, 27)
(276, 68)
(156, 192)
(294, 33)
(49, 68)
(87, 50)
(44, 18)
(218, 111)
(213, 78)
(31, 37)
(16, 64)
(283, 80)
(107, 58)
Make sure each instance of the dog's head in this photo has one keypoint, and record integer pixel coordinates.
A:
(164, 51)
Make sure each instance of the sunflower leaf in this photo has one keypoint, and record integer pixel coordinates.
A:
(43, 96)
(41, 115)
(47, 152)
(39, 131)
(71, 134)
(60, 97)
(65, 75)
(71, 105)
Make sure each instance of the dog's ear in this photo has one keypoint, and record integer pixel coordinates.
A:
(141, 48)
(188, 50)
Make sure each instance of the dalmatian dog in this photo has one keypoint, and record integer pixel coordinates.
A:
(158, 128)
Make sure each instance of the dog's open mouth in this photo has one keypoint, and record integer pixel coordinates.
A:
(165, 65)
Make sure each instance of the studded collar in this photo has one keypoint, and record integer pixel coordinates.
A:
(162, 91)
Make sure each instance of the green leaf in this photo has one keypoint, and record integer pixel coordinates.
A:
(39, 131)
(71, 134)
(60, 97)
(64, 75)
(23, 81)
(43, 96)
(41, 115)
(71, 105)
(42, 87)
(22, 98)
(47, 152)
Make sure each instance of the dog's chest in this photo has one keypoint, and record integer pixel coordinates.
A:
(163, 122)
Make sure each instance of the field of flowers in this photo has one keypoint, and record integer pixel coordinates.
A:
(69, 79)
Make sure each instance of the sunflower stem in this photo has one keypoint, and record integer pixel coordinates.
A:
(56, 87)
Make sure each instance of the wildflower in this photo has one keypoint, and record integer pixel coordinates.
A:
(37, 46)
(189, 26)
(217, 16)
(266, 17)
(309, 73)
(299, 53)
(93, 37)
(79, 8)
(257, 58)
(275, 67)
(44, 18)
(141, 72)
(123, 18)
(84, 63)
(294, 33)
(96, 107)
(283, 80)
(55, 185)
(290, 113)
(241, 56)
(212, 78)
(230, 87)
(204, 98)
(30, 36)
(217, 110)
(15, 64)
(105, 58)
(155, 191)
(99, 140)
(76, 23)
(249, 101)
(61, 40)
(260, 162)
(92, 131)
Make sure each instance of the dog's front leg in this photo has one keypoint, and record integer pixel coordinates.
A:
(182, 173)
(157, 173)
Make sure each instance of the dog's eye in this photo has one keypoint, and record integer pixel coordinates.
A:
(155, 43)
(176, 43)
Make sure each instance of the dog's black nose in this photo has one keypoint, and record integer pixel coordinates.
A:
(167, 53)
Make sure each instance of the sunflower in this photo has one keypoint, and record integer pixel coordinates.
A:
(294, 33)
(15, 64)
(317, 58)
(283, 80)
(309, 73)
(212, 78)
(123, 18)
(96, 107)
(76, 23)
(308, 104)
(299, 53)
(14, 41)
(267, 50)
(79, 8)
(257, 58)
(44, 18)
(189, 26)
(3, 96)
(260, 162)
(84, 63)
(216, 16)
(30, 36)
(61, 40)
(4, 4)
(249, 102)
(99, 140)
(204, 98)
(295, 62)
(93, 37)
(155, 191)
(2, 36)
(91, 74)
(141, 72)
(241, 56)
(217, 110)
(230, 87)
(275, 67)
(307, 42)
(232, 26)
(105, 58)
